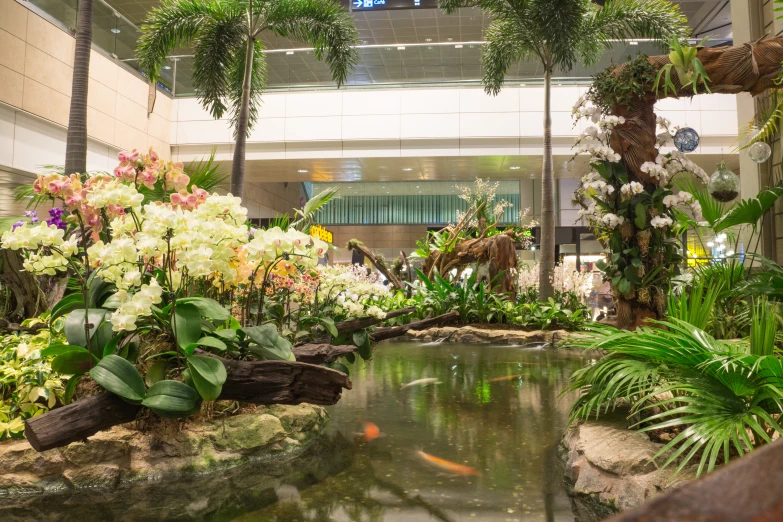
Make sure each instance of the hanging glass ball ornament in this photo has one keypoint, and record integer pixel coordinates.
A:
(760, 152)
(724, 184)
(686, 139)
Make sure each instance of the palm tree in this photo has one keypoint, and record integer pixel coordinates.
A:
(76, 139)
(559, 33)
(229, 67)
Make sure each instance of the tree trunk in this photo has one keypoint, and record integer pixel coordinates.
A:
(389, 332)
(357, 324)
(547, 260)
(27, 298)
(256, 382)
(378, 262)
(238, 164)
(76, 141)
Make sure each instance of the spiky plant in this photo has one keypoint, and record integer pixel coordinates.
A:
(229, 67)
(559, 34)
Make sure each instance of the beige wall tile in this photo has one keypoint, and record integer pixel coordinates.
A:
(161, 147)
(131, 113)
(132, 87)
(11, 51)
(159, 128)
(100, 125)
(102, 98)
(163, 106)
(11, 87)
(47, 70)
(46, 102)
(103, 70)
(14, 18)
(128, 138)
(50, 39)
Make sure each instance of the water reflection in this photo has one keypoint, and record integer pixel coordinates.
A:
(495, 409)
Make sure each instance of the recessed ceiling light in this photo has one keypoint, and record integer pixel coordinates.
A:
(523, 84)
(167, 67)
(407, 169)
(289, 52)
(115, 30)
(302, 171)
(428, 39)
(401, 48)
(458, 46)
(633, 43)
(450, 39)
(417, 186)
(515, 168)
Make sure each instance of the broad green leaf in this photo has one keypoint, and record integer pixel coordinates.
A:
(208, 374)
(72, 363)
(338, 366)
(329, 324)
(111, 347)
(112, 302)
(208, 308)
(65, 305)
(58, 349)
(269, 343)
(171, 399)
(213, 342)
(74, 325)
(641, 216)
(157, 372)
(70, 388)
(119, 377)
(362, 340)
(186, 324)
(227, 333)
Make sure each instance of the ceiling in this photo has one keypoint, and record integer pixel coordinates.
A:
(445, 168)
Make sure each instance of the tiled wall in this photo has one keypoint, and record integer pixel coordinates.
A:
(266, 200)
(36, 69)
(424, 122)
(385, 239)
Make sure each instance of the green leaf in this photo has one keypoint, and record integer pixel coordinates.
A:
(111, 347)
(329, 324)
(227, 333)
(65, 305)
(72, 363)
(212, 342)
(208, 308)
(351, 358)
(57, 349)
(269, 343)
(70, 388)
(74, 325)
(337, 366)
(362, 340)
(112, 302)
(641, 216)
(171, 399)
(208, 374)
(624, 286)
(186, 324)
(157, 372)
(119, 377)
(631, 275)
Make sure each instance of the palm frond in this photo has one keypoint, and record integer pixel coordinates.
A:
(311, 208)
(764, 126)
(236, 78)
(749, 211)
(26, 192)
(696, 306)
(711, 209)
(325, 25)
(503, 48)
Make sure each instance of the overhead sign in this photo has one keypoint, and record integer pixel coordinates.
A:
(321, 233)
(383, 5)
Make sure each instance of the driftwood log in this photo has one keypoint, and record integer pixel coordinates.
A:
(377, 261)
(322, 352)
(364, 322)
(256, 382)
(388, 332)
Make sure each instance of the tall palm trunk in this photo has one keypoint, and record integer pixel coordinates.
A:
(76, 141)
(238, 165)
(547, 263)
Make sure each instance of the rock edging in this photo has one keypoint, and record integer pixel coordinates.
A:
(609, 468)
(122, 456)
(474, 335)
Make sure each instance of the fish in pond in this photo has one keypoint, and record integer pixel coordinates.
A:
(448, 466)
(422, 382)
(505, 378)
(371, 431)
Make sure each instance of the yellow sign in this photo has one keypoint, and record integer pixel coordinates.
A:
(321, 233)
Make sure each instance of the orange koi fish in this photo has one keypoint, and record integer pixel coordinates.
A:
(447, 466)
(505, 377)
(371, 431)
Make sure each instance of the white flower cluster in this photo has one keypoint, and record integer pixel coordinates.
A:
(115, 194)
(598, 152)
(612, 220)
(685, 200)
(133, 306)
(599, 187)
(656, 171)
(610, 122)
(46, 250)
(661, 221)
(355, 289)
(631, 189)
(267, 245)
(582, 109)
(566, 279)
(668, 165)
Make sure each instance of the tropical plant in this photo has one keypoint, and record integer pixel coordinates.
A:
(558, 34)
(229, 67)
(76, 136)
(720, 397)
(696, 306)
(690, 71)
(28, 384)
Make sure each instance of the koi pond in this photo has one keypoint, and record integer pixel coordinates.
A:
(474, 439)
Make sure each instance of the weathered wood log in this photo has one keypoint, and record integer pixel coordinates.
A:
(364, 322)
(257, 382)
(388, 332)
(322, 352)
(378, 262)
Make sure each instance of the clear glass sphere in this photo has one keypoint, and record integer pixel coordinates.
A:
(724, 185)
(760, 152)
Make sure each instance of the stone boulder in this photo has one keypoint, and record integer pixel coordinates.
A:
(474, 335)
(609, 468)
(123, 455)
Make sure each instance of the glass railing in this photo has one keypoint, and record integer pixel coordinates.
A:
(398, 65)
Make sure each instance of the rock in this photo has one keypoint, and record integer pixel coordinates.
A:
(473, 335)
(125, 456)
(609, 468)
